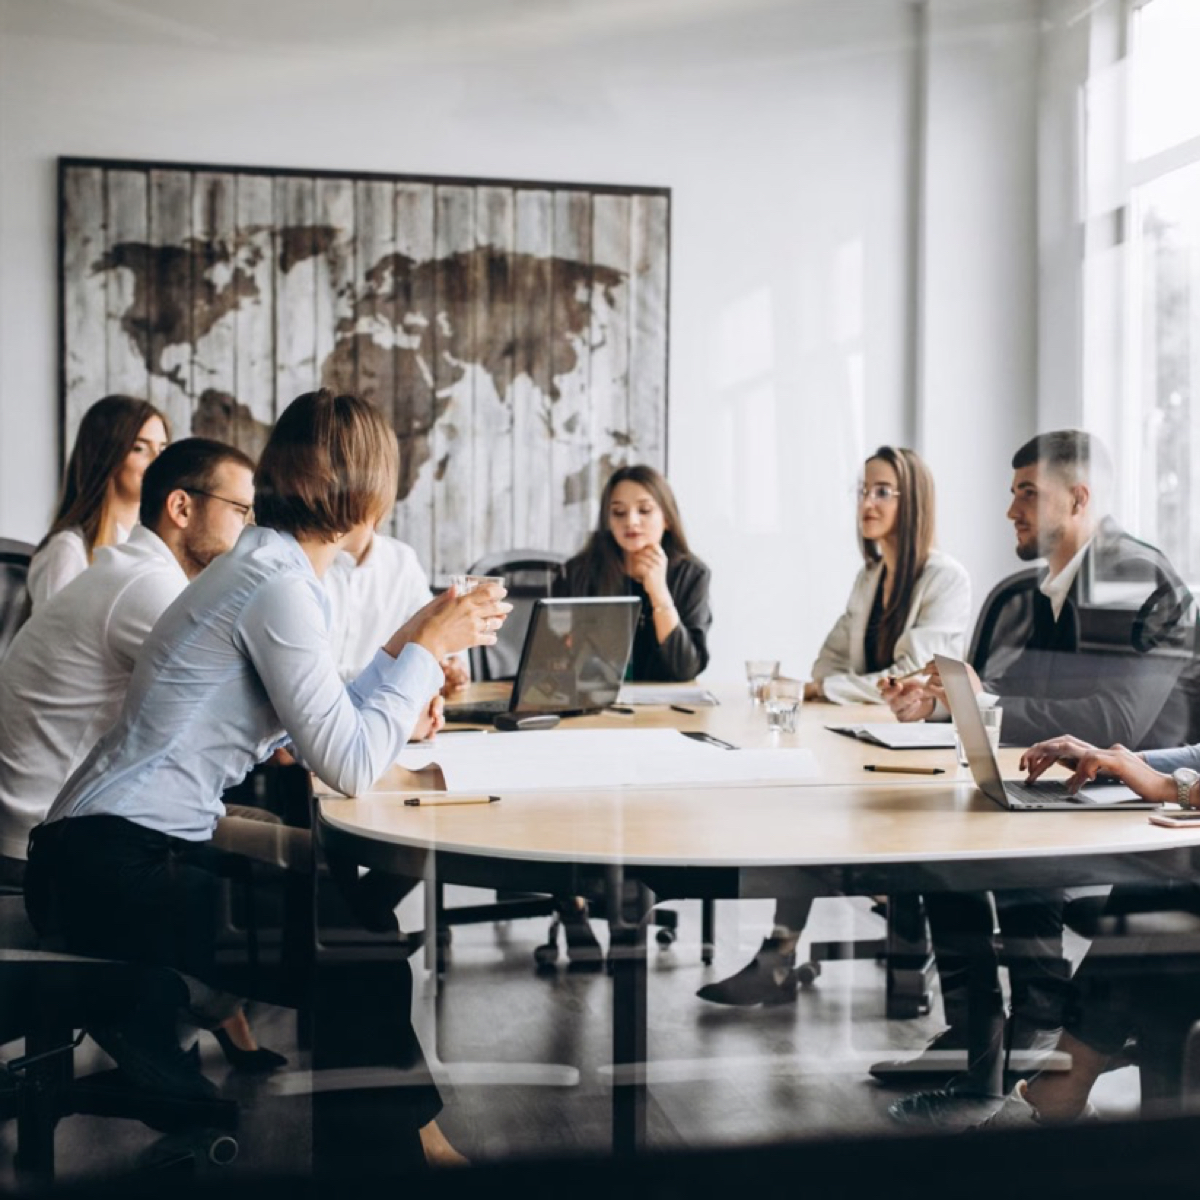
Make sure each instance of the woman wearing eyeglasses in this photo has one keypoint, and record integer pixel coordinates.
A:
(908, 603)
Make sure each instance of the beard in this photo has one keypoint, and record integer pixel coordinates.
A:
(1044, 543)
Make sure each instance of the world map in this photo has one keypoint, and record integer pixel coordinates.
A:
(184, 292)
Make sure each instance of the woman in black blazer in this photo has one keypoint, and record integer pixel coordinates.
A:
(639, 549)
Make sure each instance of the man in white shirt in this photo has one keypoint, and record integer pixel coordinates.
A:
(65, 675)
(370, 596)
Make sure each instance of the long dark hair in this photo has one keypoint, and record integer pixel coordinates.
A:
(603, 560)
(105, 437)
(915, 525)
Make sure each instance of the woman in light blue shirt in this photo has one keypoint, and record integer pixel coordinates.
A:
(238, 666)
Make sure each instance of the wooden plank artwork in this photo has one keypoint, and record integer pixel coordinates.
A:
(514, 334)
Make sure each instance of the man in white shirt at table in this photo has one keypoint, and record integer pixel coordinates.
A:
(65, 676)
(368, 595)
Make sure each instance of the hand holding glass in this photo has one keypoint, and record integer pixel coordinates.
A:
(462, 584)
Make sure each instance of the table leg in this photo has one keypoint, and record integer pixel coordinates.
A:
(628, 955)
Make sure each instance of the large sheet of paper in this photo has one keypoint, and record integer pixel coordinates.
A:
(897, 735)
(570, 759)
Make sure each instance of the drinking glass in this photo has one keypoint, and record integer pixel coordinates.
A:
(783, 700)
(992, 718)
(760, 672)
(463, 584)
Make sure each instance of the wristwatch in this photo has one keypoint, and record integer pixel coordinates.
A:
(1185, 779)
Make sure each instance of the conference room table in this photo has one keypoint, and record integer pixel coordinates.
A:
(860, 832)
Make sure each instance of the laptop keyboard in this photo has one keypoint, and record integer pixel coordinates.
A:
(1039, 793)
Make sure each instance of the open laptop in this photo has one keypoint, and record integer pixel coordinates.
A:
(1042, 796)
(573, 660)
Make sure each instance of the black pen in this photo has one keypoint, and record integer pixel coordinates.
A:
(620, 708)
(691, 712)
(906, 770)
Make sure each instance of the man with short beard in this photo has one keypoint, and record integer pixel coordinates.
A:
(1096, 644)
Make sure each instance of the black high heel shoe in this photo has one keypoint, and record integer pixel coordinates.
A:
(769, 979)
(253, 1062)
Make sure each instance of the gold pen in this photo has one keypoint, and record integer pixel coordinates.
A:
(424, 801)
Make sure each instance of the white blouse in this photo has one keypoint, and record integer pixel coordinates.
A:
(58, 562)
(937, 623)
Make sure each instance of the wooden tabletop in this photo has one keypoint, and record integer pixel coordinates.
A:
(844, 817)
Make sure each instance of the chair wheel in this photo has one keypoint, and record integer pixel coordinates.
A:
(223, 1149)
(547, 955)
(665, 937)
(808, 973)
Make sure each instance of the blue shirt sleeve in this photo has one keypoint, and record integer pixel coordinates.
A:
(1170, 760)
(347, 737)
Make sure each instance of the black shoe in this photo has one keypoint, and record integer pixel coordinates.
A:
(149, 1059)
(953, 1108)
(946, 1054)
(253, 1062)
(583, 950)
(768, 979)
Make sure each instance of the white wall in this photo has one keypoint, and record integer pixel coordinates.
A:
(782, 128)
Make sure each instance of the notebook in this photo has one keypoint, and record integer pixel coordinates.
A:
(898, 735)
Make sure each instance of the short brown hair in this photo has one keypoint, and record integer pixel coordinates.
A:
(330, 463)
(189, 465)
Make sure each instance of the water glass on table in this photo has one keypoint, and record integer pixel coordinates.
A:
(760, 672)
(992, 718)
(462, 584)
(783, 700)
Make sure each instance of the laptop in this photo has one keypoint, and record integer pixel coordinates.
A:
(573, 660)
(1042, 796)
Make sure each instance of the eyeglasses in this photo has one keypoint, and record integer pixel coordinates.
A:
(246, 511)
(881, 493)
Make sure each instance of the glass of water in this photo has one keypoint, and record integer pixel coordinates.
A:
(760, 672)
(782, 702)
(993, 718)
(462, 584)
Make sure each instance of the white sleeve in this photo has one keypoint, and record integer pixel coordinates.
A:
(347, 737)
(136, 611)
(54, 566)
(834, 657)
(938, 627)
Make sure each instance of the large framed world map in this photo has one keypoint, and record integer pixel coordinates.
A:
(514, 332)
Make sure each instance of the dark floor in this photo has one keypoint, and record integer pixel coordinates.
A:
(523, 1059)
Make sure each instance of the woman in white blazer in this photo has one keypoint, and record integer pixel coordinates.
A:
(908, 603)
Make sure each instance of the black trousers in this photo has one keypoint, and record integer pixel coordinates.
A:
(107, 887)
(1031, 923)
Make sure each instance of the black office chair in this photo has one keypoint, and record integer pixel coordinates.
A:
(529, 576)
(14, 599)
(45, 996)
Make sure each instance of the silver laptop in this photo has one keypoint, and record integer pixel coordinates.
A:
(1043, 796)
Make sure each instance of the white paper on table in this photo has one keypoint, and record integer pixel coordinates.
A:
(652, 693)
(897, 735)
(601, 758)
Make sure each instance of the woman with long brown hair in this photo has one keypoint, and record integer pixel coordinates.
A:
(638, 548)
(118, 438)
(909, 602)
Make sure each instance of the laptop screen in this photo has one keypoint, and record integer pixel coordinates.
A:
(965, 710)
(575, 654)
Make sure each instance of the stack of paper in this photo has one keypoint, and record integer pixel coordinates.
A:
(895, 735)
(653, 693)
(600, 758)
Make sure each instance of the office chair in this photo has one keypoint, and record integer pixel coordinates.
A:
(14, 600)
(529, 576)
(45, 996)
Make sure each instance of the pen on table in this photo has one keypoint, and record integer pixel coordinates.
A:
(691, 712)
(905, 770)
(620, 708)
(426, 801)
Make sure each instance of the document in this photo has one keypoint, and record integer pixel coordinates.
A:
(653, 693)
(568, 760)
(898, 735)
